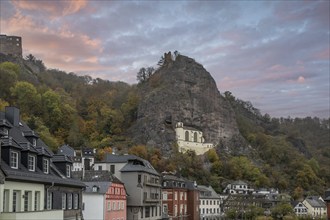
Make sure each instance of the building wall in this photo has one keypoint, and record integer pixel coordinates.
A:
(193, 205)
(115, 202)
(135, 190)
(11, 45)
(209, 207)
(20, 188)
(93, 208)
(55, 214)
(176, 201)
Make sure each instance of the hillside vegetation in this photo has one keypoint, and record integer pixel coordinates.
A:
(291, 154)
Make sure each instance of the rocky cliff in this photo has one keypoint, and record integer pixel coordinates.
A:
(183, 91)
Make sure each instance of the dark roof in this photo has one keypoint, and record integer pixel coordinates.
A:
(314, 201)
(207, 192)
(23, 174)
(101, 186)
(61, 158)
(66, 150)
(139, 165)
(95, 176)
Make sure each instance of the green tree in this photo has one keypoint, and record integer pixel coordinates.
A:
(26, 98)
(8, 76)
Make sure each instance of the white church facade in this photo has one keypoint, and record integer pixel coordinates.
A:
(191, 139)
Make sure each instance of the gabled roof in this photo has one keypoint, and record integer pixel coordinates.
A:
(139, 165)
(315, 202)
(66, 150)
(207, 192)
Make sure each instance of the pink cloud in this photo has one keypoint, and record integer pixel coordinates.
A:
(323, 54)
(53, 8)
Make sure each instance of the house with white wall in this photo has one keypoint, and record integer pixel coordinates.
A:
(210, 201)
(34, 183)
(316, 206)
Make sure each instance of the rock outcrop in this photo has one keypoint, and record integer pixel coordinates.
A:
(183, 91)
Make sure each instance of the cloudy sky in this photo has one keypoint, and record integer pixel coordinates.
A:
(272, 53)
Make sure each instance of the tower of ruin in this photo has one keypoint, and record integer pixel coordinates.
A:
(11, 45)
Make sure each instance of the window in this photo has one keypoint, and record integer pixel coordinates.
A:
(63, 201)
(75, 201)
(27, 201)
(195, 137)
(14, 159)
(49, 200)
(187, 136)
(31, 162)
(109, 205)
(5, 200)
(147, 212)
(175, 210)
(36, 200)
(122, 205)
(70, 201)
(139, 178)
(16, 201)
(112, 169)
(94, 189)
(46, 166)
(100, 167)
(164, 195)
(175, 196)
(68, 169)
(114, 206)
(4, 131)
(34, 142)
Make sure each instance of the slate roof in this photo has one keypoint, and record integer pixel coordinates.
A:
(207, 192)
(139, 165)
(66, 150)
(102, 187)
(95, 176)
(61, 158)
(239, 182)
(315, 202)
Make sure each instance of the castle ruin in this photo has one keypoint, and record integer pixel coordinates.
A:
(11, 45)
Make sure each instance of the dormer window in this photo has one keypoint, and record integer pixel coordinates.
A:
(68, 169)
(46, 166)
(14, 159)
(34, 142)
(94, 188)
(31, 162)
(4, 131)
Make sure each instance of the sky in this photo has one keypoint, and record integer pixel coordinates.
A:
(274, 54)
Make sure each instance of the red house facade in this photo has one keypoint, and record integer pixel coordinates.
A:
(180, 198)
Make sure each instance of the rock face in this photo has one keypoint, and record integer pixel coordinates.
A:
(183, 91)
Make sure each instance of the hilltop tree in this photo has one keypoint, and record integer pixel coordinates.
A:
(144, 74)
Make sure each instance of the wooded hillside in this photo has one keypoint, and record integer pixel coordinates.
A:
(291, 154)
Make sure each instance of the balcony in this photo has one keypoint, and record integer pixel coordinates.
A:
(35, 215)
(152, 183)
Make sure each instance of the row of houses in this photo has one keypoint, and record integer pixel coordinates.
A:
(35, 183)
(241, 197)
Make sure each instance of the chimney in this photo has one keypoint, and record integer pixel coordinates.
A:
(12, 115)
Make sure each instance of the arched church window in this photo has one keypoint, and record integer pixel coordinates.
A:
(187, 136)
(195, 137)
